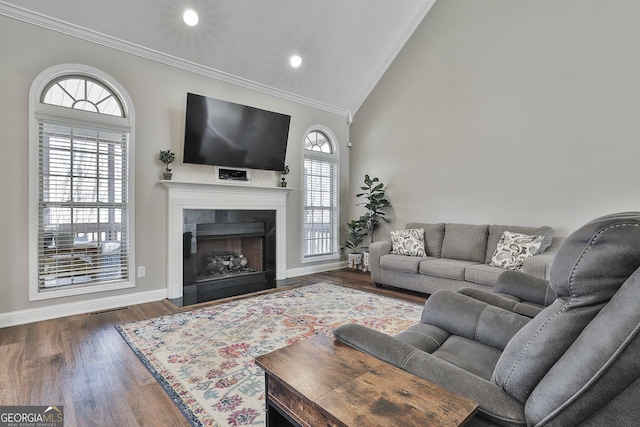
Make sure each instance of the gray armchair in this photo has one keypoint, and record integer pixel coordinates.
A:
(577, 362)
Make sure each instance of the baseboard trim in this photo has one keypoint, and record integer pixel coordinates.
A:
(318, 268)
(31, 315)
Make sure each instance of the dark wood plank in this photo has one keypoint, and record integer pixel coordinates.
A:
(11, 375)
(14, 334)
(44, 339)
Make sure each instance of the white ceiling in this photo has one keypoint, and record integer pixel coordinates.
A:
(345, 45)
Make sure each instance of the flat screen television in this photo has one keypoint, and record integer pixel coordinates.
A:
(222, 133)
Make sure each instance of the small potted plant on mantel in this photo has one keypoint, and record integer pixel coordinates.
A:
(283, 176)
(167, 157)
(355, 237)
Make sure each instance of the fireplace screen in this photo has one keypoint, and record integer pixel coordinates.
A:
(219, 251)
(230, 250)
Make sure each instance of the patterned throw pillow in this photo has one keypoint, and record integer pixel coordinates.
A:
(514, 248)
(408, 242)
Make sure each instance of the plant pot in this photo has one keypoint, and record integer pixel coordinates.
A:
(366, 256)
(167, 175)
(355, 260)
(283, 183)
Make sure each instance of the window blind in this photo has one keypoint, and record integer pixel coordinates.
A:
(83, 216)
(320, 207)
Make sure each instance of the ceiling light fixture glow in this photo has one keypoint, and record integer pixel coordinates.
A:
(295, 61)
(190, 17)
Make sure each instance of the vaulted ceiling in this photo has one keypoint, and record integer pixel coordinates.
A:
(345, 45)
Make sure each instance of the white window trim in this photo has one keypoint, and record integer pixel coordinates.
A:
(335, 156)
(39, 111)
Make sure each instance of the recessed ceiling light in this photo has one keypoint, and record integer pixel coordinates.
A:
(190, 17)
(295, 61)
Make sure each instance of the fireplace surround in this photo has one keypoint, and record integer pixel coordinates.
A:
(244, 201)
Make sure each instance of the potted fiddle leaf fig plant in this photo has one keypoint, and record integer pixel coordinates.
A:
(167, 157)
(375, 196)
(354, 240)
(376, 201)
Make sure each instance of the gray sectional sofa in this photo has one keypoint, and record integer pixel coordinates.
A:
(456, 256)
(574, 364)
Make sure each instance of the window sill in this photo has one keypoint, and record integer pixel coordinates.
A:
(320, 258)
(44, 294)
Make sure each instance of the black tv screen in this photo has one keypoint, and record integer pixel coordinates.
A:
(223, 133)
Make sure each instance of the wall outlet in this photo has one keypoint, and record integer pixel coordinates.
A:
(142, 271)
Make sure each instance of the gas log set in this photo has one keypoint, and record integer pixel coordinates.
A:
(227, 263)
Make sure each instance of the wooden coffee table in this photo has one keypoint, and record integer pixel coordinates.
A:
(321, 382)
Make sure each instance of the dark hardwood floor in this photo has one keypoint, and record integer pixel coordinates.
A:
(82, 363)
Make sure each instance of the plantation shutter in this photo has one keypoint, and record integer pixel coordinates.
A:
(83, 217)
(320, 207)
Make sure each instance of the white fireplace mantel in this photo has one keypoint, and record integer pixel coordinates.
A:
(192, 195)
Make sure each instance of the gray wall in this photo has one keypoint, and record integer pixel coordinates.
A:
(511, 112)
(159, 95)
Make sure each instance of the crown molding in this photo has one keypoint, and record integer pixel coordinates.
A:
(426, 7)
(73, 30)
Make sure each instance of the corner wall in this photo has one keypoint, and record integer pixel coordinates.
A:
(502, 112)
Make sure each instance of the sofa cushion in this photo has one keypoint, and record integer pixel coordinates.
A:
(472, 356)
(482, 274)
(423, 337)
(408, 242)
(514, 248)
(495, 233)
(443, 267)
(433, 237)
(465, 242)
(408, 264)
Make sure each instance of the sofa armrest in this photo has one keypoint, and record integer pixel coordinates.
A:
(375, 343)
(472, 319)
(505, 302)
(525, 287)
(540, 265)
(376, 250)
(493, 402)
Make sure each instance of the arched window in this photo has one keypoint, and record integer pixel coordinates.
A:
(82, 93)
(318, 141)
(82, 129)
(320, 220)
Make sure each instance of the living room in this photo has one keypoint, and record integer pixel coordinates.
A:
(492, 112)
(556, 93)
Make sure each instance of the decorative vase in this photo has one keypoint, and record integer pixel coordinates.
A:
(283, 183)
(167, 175)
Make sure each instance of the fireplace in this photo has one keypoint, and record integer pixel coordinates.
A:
(243, 203)
(227, 252)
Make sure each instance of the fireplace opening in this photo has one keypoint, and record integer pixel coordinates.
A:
(227, 253)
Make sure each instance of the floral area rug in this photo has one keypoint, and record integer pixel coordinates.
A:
(204, 358)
